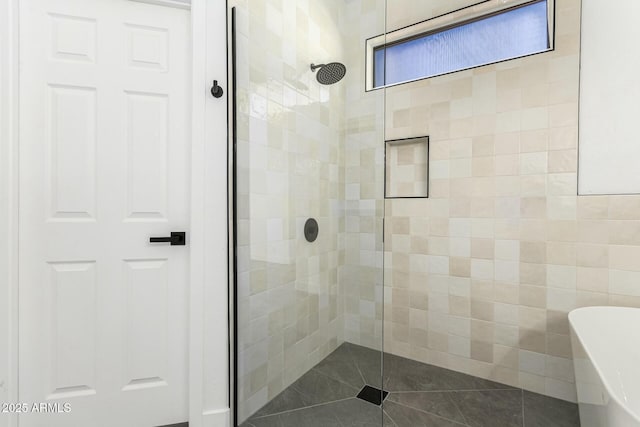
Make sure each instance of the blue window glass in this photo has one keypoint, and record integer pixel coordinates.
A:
(511, 34)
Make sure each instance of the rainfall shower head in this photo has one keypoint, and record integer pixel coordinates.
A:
(329, 73)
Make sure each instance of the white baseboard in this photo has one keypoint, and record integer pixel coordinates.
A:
(217, 418)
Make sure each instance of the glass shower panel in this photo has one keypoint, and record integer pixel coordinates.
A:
(309, 205)
(468, 339)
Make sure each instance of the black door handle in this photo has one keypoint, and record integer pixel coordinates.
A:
(177, 238)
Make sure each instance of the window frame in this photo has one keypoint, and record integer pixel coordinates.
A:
(475, 12)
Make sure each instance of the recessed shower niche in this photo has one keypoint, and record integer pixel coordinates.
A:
(407, 168)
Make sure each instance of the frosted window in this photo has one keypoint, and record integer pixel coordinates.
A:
(511, 34)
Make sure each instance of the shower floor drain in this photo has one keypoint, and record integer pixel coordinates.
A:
(372, 395)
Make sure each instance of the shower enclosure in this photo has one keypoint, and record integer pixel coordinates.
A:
(376, 269)
(309, 194)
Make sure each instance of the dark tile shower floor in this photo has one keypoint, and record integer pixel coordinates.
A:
(419, 395)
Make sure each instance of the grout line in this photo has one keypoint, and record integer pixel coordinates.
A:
(458, 408)
(304, 407)
(331, 378)
(456, 391)
(432, 414)
(358, 366)
(388, 416)
(364, 382)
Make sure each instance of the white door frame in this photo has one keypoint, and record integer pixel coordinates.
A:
(9, 108)
(208, 326)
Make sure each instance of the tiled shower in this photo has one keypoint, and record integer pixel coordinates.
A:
(458, 293)
(294, 164)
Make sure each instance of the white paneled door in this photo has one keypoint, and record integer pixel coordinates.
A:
(104, 166)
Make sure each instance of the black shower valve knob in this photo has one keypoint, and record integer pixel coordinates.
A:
(216, 90)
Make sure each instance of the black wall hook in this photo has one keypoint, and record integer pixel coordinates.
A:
(216, 90)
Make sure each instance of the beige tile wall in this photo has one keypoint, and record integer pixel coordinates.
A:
(361, 276)
(480, 277)
(290, 167)
(402, 13)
